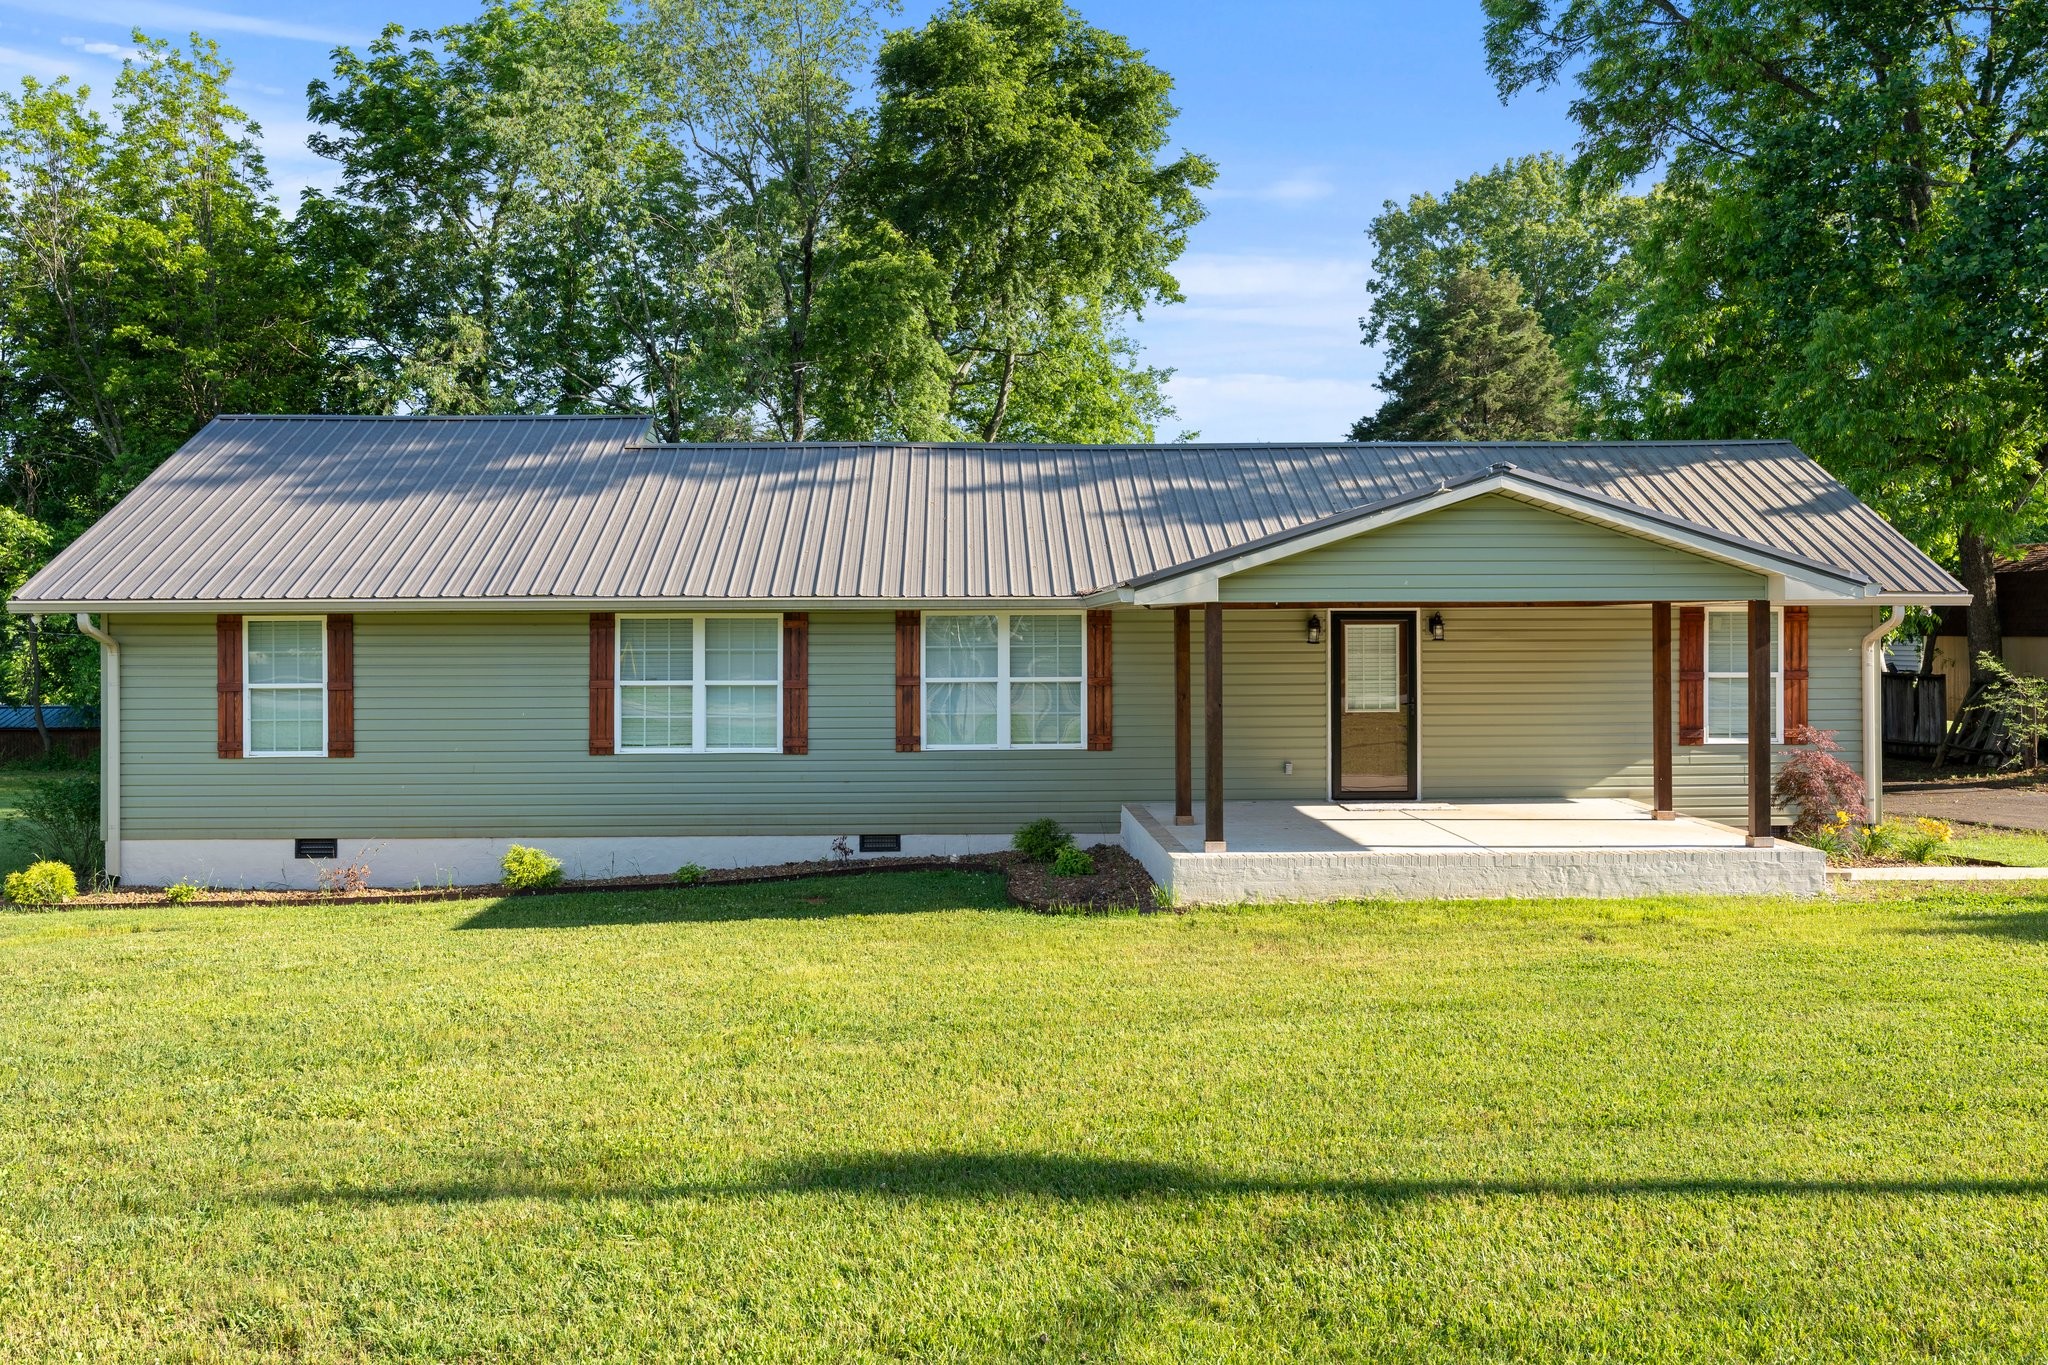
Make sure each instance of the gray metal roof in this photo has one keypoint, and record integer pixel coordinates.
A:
(580, 509)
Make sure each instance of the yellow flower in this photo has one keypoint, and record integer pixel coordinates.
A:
(1935, 828)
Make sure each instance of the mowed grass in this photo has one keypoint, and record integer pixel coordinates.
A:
(886, 1118)
(2012, 847)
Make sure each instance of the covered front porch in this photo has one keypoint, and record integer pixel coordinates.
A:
(1291, 851)
(1499, 688)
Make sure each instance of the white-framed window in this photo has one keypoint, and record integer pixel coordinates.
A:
(1004, 680)
(284, 686)
(1728, 675)
(689, 684)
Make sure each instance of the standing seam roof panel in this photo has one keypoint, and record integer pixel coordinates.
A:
(371, 509)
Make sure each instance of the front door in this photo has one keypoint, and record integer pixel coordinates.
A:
(1372, 699)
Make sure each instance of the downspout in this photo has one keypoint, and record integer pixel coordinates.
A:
(110, 740)
(1873, 715)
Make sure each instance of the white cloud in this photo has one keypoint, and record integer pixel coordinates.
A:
(1302, 188)
(14, 60)
(166, 17)
(1269, 407)
(117, 51)
(1323, 295)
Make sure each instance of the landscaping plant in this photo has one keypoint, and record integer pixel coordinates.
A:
(1817, 786)
(1837, 838)
(181, 893)
(1919, 841)
(62, 813)
(44, 883)
(1072, 862)
(2021, 705)
(1041, 840)
(529, 869)
(689, 874)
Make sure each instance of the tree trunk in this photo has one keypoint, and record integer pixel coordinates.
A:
(994, 425)
(1979, 576)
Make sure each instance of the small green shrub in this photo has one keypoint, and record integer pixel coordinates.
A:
(689, 874)
(1072, 862)
(529, 869)
(181, 893)
(44, 883)
(62, 816)
(1882, 841)
(1041, 840)
(1923, 839)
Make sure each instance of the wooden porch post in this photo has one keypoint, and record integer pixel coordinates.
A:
(1183, 719)
(1212, 725)
(1760, 724)
(1661, 802)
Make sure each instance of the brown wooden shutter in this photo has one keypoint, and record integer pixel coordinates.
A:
(796, 682)
(1100, 703)
(227, 686)
(604, 637)
(908, 666)
(1795, 669)
(341, 686)
(1692, 675)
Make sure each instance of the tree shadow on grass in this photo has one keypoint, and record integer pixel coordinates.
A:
(2028, 926)
(876, 893)
(985, 1176)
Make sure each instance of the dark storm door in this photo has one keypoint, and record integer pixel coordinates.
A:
(1372, 705)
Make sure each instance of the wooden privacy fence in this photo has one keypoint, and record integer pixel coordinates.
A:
(1915, 713)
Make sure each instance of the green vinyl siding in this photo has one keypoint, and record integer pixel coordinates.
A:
(1547, 702)
(1493, 549)
(475, 724)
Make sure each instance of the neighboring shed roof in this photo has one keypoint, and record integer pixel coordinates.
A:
(579, 509)
(54, 718)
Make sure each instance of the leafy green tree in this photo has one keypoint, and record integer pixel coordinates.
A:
(506, 236)
(1471, 364)
(1569, 248)
(1018, 152)
(761, 99)
(1849, 251)
(147, 284)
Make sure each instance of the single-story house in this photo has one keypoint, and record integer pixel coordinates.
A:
(1286, 670)
(2022, 626)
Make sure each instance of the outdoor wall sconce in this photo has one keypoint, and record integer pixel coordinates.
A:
(1315, 630)
(1436, 625)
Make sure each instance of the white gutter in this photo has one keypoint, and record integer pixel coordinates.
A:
(110, 740)
(1873, 714)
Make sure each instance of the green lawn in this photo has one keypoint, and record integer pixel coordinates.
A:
(2012, 847)
(884, 1118)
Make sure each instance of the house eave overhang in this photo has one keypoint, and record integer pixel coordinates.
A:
(1793, 578)
(323, 605)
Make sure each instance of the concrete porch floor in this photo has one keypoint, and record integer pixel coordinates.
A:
(1279, 850)
(1279, 827)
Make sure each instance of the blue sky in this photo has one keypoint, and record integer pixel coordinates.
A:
(1315, 110)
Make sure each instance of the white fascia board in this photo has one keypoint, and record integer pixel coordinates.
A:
(1788, 578)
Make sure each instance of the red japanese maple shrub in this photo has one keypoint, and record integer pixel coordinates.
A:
(1817, 785)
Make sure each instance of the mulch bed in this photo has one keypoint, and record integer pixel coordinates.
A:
(1120, 882)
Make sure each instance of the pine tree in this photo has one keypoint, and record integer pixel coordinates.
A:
(1473, 365)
